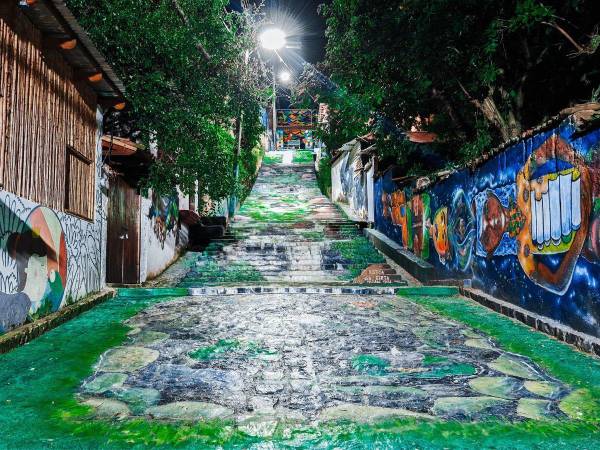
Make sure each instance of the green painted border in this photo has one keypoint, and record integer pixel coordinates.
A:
(152, 292)
(579, 370)
(429, 291)
(39, 382)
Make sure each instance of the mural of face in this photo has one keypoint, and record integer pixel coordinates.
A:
(40, 251)
(493, 223)
(554, 194)
(461, 230)
(439, 234)
(35, 279)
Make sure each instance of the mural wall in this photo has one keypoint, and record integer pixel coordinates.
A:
(161, 236)
(525, 226)
(350, 182)
(48, 259)
(295, 126)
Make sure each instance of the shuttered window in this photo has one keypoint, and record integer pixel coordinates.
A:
(79, 184)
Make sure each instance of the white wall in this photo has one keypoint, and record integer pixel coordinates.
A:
(159, 248)
(349, 183)
(371, 192)
(63, 275)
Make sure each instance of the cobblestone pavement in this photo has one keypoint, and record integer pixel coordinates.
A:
(263, 358)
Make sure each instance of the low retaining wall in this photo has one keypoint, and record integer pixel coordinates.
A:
(26, 333)
(523, 227)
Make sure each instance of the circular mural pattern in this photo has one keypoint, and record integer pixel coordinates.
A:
(41, 254)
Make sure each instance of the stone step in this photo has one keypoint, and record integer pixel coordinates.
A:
(285, 268)
(279, 239)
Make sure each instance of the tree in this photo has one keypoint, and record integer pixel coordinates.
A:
(188, 81)
(479, 72)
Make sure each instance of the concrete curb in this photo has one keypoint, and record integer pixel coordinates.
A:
(273, 289)
(582, 341)
(28, 332)
(415, 266)
(425, 273)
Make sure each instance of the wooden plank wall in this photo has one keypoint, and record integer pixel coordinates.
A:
(43, 111)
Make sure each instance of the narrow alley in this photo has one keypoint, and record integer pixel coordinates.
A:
(299, 224)
(267, 338)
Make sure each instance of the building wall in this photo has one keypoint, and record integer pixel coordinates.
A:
(48, 258)
(524, 227)
(349, 183)
(47, 118)
(162, 237)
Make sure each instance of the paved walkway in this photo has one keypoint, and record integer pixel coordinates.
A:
(261, 358)
(291, 340)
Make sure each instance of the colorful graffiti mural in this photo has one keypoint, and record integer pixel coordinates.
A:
(350, 182)
(295, 118)
(164, 212)
(301, 138)
(39, 252)
(525, 226)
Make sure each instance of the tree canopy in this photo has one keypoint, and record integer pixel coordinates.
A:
(476, 73)
(189, 78)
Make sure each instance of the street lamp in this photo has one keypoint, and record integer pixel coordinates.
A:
(273, 39)
(285, 76)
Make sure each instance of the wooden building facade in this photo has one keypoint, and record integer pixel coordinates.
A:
(54, 90)
(47, 110)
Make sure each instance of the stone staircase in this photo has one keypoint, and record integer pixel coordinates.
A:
(287, 232)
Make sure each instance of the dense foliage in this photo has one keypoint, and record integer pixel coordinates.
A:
(476, 73)
(189, 79)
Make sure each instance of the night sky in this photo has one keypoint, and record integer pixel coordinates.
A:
(312, 25)
(313, 38)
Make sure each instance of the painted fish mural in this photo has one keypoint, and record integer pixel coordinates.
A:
(524, 226)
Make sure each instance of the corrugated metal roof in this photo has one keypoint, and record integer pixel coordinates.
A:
(55, 20)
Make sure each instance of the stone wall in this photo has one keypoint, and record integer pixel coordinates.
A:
(49, 259)
(524, 226)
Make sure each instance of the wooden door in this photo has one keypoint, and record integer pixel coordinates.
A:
(123, 234)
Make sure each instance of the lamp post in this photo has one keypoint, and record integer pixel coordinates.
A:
(273, 39)
(236, 162)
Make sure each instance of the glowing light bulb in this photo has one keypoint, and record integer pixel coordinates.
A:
(285, 76)
(273, 39)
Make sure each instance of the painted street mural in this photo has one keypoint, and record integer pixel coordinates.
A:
(47, 259)
(525, 226)
(349, 182)
(298, 138)
(164, 212)
(295, 117)
(295, 128)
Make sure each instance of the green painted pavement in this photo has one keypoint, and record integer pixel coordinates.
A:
(39, 384)
(54, 391)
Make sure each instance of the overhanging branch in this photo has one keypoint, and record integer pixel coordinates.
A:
(186, 21)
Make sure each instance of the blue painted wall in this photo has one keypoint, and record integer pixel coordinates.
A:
(524, 226)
